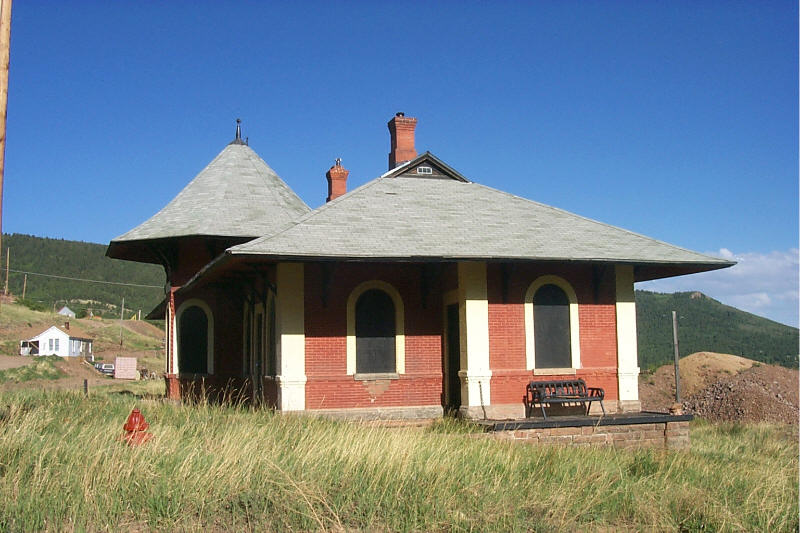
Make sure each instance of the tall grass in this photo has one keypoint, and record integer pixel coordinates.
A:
(62, 467)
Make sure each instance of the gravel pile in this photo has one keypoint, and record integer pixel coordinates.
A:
(761, 393)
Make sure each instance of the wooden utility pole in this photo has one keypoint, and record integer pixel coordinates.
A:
(677, 356)
(8, 262)
(121, 318)
(5, 46)
(24, 285)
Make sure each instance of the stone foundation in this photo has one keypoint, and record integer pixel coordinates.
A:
(669, 435)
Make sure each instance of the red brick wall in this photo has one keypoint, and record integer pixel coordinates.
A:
(595, 290)
(227, 314)
(328, 385)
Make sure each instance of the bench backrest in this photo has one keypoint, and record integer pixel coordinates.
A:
(571, 387)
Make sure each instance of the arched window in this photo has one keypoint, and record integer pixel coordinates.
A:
(375, 330)
(551, 325)
(195, 338)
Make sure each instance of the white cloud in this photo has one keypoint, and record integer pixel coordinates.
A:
(763, 284)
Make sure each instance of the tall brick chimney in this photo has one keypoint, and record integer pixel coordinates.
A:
(401, 129)
(337, 180)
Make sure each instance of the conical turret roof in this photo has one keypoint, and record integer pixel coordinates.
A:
(236, 196)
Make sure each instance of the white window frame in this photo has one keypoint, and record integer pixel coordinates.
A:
(574, 325)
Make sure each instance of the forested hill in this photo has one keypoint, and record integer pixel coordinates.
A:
(705, 324)
(73, 259)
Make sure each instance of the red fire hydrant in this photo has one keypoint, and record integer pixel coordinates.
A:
(135, 429)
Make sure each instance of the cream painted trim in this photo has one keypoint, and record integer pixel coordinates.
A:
(290, 336)
(473, 307)
(554, 371)
(210, 330)
(170, 342)
(399, 322)
(627, 349)
(574, 324)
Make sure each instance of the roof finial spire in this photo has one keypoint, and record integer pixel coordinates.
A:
(238, 139)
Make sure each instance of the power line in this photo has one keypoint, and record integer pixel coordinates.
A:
(86, 280)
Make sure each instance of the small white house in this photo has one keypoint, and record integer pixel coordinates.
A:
(57, 341)
(66, 311)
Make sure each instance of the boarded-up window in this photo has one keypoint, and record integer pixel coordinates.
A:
(551, 327)
(272, 351)
(375, 333)
(248, 343)
(193, 341)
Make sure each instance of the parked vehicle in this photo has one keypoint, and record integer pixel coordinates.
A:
(106, 368)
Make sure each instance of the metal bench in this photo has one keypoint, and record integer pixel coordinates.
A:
(567, 391)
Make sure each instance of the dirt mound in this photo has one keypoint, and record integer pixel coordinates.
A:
(13, 361)
(697, 371)
(75, 371)
(762, 393)
(725, 387)
(144, 328)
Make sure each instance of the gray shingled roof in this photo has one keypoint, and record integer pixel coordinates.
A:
(395, 217)
(236, 195)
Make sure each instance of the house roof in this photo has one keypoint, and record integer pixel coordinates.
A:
(237, 195)
(72, 333)
(396, 217)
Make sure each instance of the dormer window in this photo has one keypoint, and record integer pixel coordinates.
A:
(424, 170)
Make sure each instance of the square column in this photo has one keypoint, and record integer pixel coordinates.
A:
(627, 350)
(173, 389)
(291, 341)
(473, 307)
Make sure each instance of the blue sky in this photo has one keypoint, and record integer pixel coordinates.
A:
(677, 120)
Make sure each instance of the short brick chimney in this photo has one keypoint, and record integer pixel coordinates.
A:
(337, 180)
(401, 129)
(66, 325)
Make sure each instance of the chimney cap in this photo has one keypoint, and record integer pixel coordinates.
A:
(399, 114)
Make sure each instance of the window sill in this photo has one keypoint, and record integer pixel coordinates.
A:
(554, 371)
(376, 376)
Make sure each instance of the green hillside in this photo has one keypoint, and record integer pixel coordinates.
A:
(73, 259)
(705, 324)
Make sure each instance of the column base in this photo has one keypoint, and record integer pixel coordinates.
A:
(173, 387)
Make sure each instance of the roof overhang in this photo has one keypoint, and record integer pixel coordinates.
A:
(230, 266)
(161, 251)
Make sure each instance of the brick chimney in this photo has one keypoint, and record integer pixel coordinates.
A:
(337, 180)
(66, 325)
(401, 129)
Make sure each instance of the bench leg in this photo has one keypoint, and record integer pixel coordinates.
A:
(543, 413)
